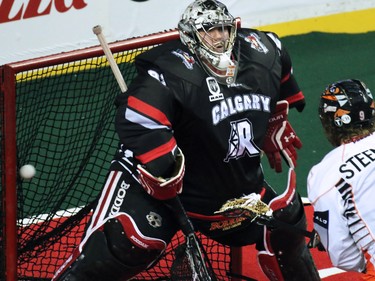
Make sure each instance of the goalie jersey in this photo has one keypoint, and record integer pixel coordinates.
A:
(219, 128)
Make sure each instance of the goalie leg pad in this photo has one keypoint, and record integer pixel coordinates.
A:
(289, 246)
(109, 254)
(96, 262)
(130, 247)
(270, 266)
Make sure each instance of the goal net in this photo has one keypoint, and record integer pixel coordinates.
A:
(57, 114)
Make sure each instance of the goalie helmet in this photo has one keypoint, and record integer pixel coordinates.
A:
(347, 103)
(204, 15)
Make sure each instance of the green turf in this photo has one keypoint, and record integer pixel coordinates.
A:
(319, 59)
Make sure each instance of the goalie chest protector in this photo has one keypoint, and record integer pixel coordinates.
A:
(208, 116)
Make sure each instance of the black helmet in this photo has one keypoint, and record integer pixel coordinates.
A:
(346, 104)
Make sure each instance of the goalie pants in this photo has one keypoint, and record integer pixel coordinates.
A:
(129, 230)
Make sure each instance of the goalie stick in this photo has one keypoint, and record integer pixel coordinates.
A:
(108, 54)
(193, 248)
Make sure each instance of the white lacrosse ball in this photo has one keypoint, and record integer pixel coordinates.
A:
(27, 171)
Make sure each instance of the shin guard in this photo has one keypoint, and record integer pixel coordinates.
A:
(286, 256)
(109, 254)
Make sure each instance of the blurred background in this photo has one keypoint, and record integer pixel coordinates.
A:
(30, 29)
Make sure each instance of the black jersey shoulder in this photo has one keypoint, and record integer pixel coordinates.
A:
(254, 37)
(173, 59)
(257, 46)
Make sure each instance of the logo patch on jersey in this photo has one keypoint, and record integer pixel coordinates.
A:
(157, 76)
(256, 43)
(154, 219)
(187, 60)
(321, 218)
(241, 141)
(214, 88)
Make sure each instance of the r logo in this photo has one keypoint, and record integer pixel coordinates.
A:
(241, 140)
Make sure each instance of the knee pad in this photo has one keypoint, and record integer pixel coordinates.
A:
(292, 213)
(287, 239)
(111, 253)
(286, 250)
(129, 245)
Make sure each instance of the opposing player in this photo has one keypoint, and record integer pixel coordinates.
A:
(194, 123)
(341, 186)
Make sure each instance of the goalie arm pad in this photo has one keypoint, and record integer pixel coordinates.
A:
(164, 188)
(281, 139)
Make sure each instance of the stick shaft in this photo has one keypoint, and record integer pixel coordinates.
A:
(178, 209)
(187, 228)
(112, 63)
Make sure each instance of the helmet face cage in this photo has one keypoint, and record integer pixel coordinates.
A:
(204, 32)
(196, 22)
(346, 104)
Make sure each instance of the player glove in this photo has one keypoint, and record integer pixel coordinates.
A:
(281, 139)
(160, 188)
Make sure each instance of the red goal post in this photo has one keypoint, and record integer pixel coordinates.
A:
(57, 113)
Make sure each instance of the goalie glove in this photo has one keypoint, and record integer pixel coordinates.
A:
(160, 188)
(281, 139)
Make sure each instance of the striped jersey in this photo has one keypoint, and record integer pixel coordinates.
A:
(341, 188)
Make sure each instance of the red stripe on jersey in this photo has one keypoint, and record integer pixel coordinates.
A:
(148, 110)
(207, 218)
(157, 152)
(295, 98)
(285, 78)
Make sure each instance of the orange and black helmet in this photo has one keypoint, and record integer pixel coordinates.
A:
(347, 104)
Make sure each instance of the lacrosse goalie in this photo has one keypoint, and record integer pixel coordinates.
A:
(194, 123)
